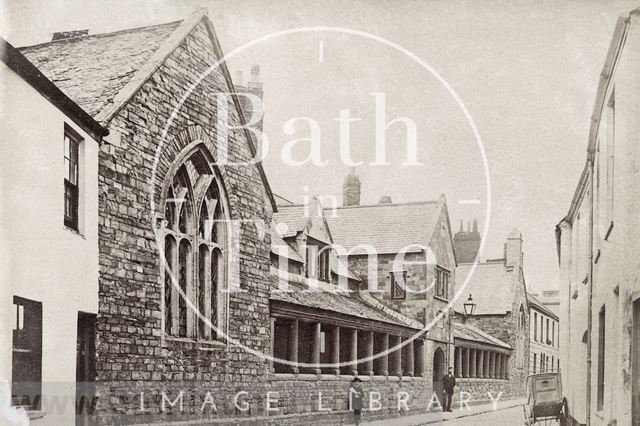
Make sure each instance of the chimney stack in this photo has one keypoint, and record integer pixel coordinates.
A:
(467, 243)
(351, 189)
(253, 87)
(513, 250)
(385, 199)
(239, 80)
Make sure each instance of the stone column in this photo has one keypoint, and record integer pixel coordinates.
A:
(465, 363)
(419, 367)
(335, 349)
(273, 338)
(506, 373)
(409, 367)
(481, 364)
(499, 367)
(493, 365)
(354, 352)
(458, 354)
(487, 363)
(293, 345)
(315, 347)
(505, 366)
(368, 365)
(472, 363)
(396, 368)
(384, 360)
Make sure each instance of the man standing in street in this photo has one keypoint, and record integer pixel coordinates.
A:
(448, 383)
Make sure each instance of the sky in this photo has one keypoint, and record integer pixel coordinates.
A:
(526, 72)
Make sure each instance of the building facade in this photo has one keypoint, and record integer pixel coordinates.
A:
(544, 336)
(498, 289)
(49, 235)
(597, 245)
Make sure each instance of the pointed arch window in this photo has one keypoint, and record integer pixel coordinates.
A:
(194, 302)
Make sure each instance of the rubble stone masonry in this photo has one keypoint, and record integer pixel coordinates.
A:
(144, 376)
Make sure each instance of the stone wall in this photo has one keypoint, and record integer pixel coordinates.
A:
(131, 343)
(483, 390)
(505, 328)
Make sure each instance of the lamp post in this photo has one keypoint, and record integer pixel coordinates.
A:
(469, 307)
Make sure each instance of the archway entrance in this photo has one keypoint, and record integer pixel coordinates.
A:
(438, 372)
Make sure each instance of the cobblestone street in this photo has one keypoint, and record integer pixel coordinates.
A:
(508, 417)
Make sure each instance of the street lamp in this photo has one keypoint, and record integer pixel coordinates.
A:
(469, 307)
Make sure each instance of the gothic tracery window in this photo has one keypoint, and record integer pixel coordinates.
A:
(194, 252)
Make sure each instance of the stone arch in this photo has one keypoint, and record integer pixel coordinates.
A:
(176, 151)
(438, 365)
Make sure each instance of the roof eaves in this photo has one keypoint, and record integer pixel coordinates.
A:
(613, 54)
(17, 62)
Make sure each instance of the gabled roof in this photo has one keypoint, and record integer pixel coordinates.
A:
(537, 304)
(92, 69)
(471, 333)
(103, 72)
(388, 228)
(492, 287)
(19, 64)
(280, 247)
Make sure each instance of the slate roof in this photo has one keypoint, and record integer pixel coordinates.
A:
(290, 219)
(277, 243)
(491, 286)
(92, 69)
(469, 332)
(336, 302)
(19, 64)
(387, 227)
(533, 301)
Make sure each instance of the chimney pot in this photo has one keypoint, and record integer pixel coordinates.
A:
(63, 35)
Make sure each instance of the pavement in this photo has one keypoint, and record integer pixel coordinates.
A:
(438, 416)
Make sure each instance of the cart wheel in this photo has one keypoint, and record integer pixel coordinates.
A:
(564, 416)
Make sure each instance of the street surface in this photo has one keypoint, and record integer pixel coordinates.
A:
(508, 417)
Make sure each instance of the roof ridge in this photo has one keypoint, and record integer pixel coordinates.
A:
(84, 37)
(407, 203)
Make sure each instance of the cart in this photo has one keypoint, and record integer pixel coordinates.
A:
(545, 404)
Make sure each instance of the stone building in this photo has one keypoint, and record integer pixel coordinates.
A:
(544, 333)
(188, 266)
(167, 197)
(550, 299)
(374, 236)
(49, 235)
(598, 242)
(498, 289)
(329, 329)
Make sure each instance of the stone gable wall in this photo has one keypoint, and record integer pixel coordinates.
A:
(131, 346)
(505, 328)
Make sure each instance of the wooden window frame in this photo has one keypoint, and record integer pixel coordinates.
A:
(72, 140)
(442, 276)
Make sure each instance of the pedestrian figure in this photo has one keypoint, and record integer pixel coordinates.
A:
(356, 399)
(448, 383)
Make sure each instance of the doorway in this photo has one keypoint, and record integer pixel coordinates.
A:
(635, 367)
(85, 368)
(438, 373)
